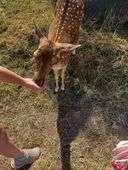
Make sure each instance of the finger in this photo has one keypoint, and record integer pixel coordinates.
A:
(37, 88)
(126, 168)
(122, 155)
(121, 149)
(122, 143)
(45, 84)
(117, 164)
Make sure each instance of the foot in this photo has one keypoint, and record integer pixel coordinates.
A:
(74, 52)
(62, 88)
(30, 156)
(56, 90)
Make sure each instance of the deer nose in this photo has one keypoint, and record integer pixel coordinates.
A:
(40, 82)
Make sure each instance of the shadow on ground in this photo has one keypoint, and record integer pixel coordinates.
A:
(72, 116)
(25, 167)
(69, 123)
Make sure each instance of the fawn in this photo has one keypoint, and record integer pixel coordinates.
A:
(54, 52)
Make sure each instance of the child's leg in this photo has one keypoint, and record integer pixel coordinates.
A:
(20, 158)
(7, 147)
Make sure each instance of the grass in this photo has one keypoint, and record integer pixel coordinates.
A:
(92, 113)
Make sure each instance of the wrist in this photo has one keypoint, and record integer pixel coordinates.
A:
(24, 82)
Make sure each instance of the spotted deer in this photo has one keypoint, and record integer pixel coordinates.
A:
(54, 52)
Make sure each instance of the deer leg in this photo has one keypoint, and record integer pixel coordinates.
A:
(62, 78)
(74, 52)
(56, 79)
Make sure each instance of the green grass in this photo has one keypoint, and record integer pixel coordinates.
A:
(91, 114)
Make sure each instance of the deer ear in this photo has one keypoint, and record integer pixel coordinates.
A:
(65, 47)
(38, 31)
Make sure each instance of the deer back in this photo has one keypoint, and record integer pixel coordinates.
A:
(68, 18)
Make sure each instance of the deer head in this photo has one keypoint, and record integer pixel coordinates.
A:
(47, 55)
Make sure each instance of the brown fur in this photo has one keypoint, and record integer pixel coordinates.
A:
(54, 52)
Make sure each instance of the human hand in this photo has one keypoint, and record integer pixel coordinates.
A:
(32, 85)
(120, 164)
(121, 147)
(120, 161)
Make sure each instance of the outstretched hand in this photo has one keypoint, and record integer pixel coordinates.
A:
(33, 86)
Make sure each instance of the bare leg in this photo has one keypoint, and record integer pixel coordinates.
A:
(56, 79)
(7, 148)
(20, 157)
(62, 78)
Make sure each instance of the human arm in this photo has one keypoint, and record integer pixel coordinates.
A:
(11, 77)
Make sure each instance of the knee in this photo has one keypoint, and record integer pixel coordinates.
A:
(3, 133)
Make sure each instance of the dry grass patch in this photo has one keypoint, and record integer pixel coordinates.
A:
(91, 114)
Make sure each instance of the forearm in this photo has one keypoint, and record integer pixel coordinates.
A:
(10, 77)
